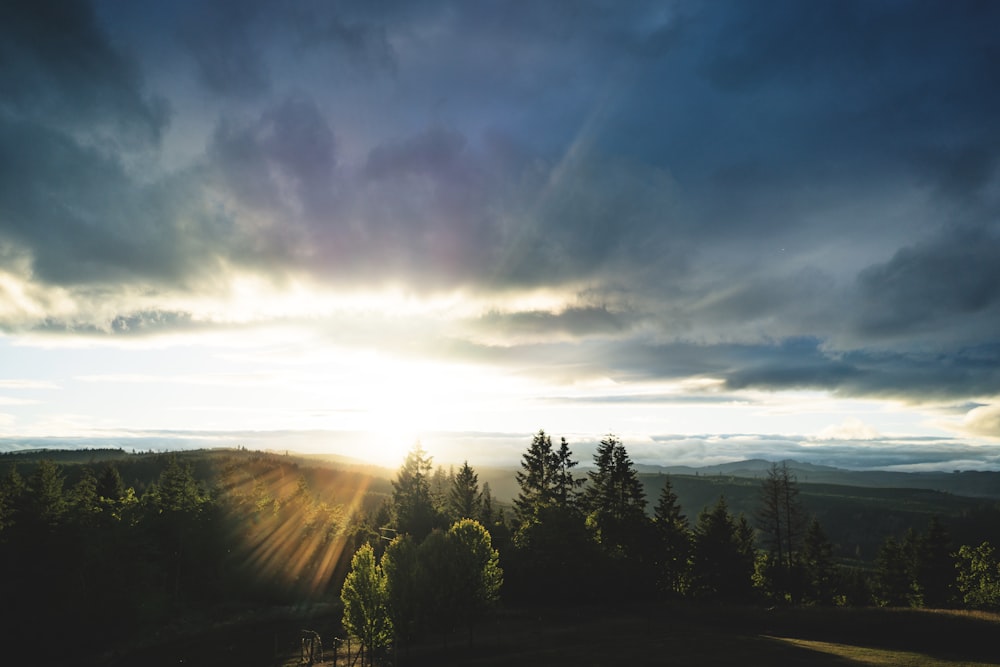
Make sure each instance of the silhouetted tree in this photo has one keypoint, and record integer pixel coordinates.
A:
(553, 550)
(673, 541)
(411, 495)
(781, 520)
(109, 484)
(720, 566)
(536, 479)
(464, 498)
(614, 498)
(565, 483)
(893, 584)
(46, 503)
(934, 566)
(818, 567)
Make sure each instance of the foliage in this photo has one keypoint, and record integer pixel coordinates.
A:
(475, 568)
(979, 576)
(366, 602)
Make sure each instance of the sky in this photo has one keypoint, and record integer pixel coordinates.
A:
(719, 230)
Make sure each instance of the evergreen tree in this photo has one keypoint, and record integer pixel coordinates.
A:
(536, 478)
(818, 566)
(934, 567)
(564, 483)
(893, 584)
(553, 548)
(109, 484)
(719, 563)
(46, 503)
(365, 599)
(12, 492)
(411, 495)
(487, 516)
(674, 541)
(615, 499)
(464, 498)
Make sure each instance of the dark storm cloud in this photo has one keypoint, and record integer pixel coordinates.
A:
(931, 286)
(57, 67)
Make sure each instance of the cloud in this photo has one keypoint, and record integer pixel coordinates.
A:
(984, 420)
(948, 286)
(60, 69)
(790, 196)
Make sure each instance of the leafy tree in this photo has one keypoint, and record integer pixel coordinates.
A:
(674, 541)
(401, 566)
(411, 495)
(475, 568)
(365, 598)
(464, 498)
(978, 580)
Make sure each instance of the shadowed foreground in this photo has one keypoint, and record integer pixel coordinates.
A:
(724, 636)
(681, 635)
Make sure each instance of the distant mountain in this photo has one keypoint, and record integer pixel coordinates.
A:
(970, 483)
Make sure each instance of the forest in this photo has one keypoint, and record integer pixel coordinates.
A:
(103, 547)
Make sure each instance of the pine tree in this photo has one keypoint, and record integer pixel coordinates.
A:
(719, 559)
(536, 477)
(110, 485)
(893, 584)
(935, 566)
(564, 483)
(464, 498)
(819, 568)
(411, 495)
(674, 540)
(615, 499)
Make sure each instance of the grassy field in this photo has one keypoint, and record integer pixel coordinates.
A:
(687, 635)
(681, 635)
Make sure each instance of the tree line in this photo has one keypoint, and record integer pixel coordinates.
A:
(89, 557)
(592, 538)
